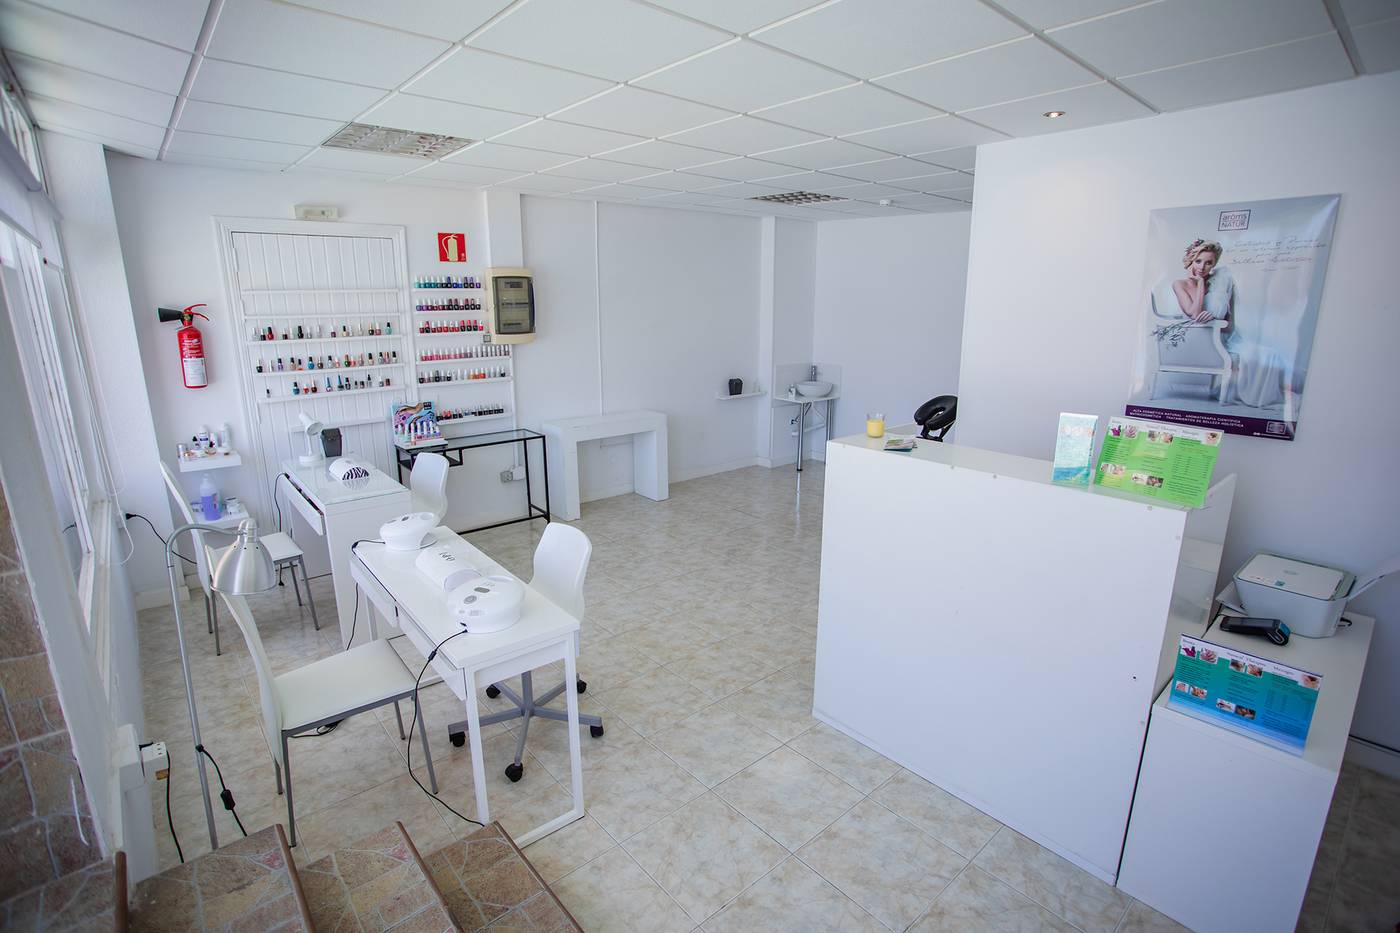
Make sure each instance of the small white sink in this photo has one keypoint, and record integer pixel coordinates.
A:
(813, 389)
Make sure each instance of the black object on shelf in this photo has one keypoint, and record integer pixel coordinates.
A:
(937, 414)
(736, 387)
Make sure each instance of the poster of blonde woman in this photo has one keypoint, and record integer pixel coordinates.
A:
(1230, 305)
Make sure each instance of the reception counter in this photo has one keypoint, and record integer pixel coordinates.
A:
(1002, 636)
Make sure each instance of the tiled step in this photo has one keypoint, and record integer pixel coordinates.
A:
(83, 900)
(487, 880)
(376, 883)
(251, 884)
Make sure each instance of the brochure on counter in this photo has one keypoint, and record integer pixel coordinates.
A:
(1074, 448)
(1170, 462)
(1262, 699)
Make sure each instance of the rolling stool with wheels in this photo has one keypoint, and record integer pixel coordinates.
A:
(561, 563)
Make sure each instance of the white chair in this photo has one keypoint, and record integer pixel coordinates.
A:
(280, 547)
(1189, 347)
(427, 481)
(561, 563)
(357, 680)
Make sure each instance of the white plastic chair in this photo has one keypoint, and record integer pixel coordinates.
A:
(357, 680)
(280, 547)
(428, 484)
(561, 564)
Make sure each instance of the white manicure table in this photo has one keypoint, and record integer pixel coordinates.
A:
(650, 463)
(343, 513)
(467, 663)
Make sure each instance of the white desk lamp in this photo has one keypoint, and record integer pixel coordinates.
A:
(244, 568)
(312, 429)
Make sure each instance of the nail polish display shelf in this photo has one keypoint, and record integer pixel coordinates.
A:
(320, 291)
(465, 382)
(328, 370)
(309, 396)
(284, 343)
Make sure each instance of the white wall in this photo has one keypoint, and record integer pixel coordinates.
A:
(680, 299)
(1058, 236)
(77, 174)
(794, 319)
(889, 311)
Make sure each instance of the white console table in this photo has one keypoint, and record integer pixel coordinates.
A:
(650, 465)
(1225, 829)
(1002, 636)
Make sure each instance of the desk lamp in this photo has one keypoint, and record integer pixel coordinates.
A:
(312, 429)
(243, 568)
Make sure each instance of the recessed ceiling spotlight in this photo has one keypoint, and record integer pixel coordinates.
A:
(1054, 114)
(364, 137)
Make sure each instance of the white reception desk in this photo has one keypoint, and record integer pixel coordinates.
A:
(1004, 637)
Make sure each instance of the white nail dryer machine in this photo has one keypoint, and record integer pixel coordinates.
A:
(407, 532)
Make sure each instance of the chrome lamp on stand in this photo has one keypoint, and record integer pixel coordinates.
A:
(243, 568)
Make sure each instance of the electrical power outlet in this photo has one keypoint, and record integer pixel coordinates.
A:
(513, 475)
(155, 761)
(316, 212)
(507, 476)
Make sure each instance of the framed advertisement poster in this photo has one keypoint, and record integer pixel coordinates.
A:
(1229, 308)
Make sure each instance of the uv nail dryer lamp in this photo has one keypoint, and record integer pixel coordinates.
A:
(1308, 598)
(487, 604)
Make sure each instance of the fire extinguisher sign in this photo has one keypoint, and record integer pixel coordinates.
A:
(452, 247)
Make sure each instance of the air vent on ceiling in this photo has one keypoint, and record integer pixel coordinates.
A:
(364, 137)
(797, 197)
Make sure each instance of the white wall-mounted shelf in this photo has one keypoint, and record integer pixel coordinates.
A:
(283, 343)
(329, 370)
(313, 396)
(319, 291)
(754, 394)
(459, 334)
(471, 419)
(465, 382)
(215, 462)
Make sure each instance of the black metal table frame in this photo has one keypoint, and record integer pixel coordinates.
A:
(458, 445)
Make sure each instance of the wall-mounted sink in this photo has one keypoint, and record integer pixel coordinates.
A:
(813, 389)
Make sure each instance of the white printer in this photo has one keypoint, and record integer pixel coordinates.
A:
(1309, 598)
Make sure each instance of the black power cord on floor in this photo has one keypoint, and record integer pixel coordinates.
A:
(225, 794)
(413, 726)
(159, 536)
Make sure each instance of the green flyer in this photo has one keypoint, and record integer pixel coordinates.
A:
(1170, 462)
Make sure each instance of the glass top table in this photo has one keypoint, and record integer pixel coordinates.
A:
(454, 448)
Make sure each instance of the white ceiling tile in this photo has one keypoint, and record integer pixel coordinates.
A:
(747, 190)
(964, 158)
(169, 22)
(424, 114)
(113, 145)
(442, 184)
(1085, 106)
(615, 39)
(627, 192)
(598, 170)
(886, 169)
(1362, 12)
(494, 155)
(848, 110)
(59, 115)
(927, 135)
(305, 169)
(349, 160)
(820, 182)
(245, 165)
(940, 181)
(474, 76)
(643, 113)
(958, 194)
(870, 191)
(742, 169)
(568, 138)
(445, 19)
(1248, 74)
(555, 183)
(676, 181)
(1378, 44)
(743, 136)
(825, 153)
(41, 33)
(1044, 14)
(37, 76)
(1174, 32)
(928, 203)
(223, 120)
(1023, 68)
(700, 199)
(277, 35)
(744, 76)
(223, 82)
(738, 15)
(227, 147)
(874, 37)
(658, 153)
(464, 174)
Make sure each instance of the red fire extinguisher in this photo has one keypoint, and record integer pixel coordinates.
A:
(191, 344)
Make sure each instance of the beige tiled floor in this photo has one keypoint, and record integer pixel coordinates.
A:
(714, 799)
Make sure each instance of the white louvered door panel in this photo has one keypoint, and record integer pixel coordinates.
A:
(337, 307)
